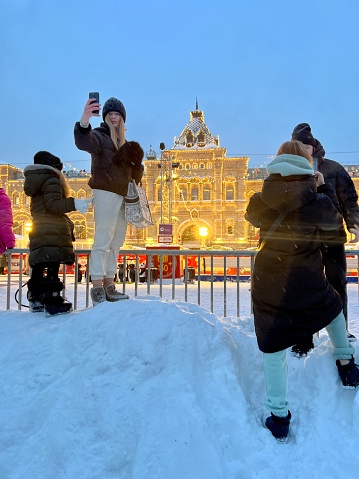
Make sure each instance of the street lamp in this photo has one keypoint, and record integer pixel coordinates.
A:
(203, 232)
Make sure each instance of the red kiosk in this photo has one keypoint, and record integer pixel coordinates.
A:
(169, 262)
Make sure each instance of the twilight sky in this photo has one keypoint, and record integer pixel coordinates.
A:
(258, 68)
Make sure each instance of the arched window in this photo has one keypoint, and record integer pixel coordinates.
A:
(80, 229)
(81, 194)
(189, 139)
(16, 199)
(201, 139)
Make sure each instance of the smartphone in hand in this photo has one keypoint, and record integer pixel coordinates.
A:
(315, 164)
(96, 96)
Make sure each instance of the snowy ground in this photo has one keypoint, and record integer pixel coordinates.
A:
(152, 388)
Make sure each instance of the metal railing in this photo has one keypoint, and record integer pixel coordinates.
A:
(217, 280)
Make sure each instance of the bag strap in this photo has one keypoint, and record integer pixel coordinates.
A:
(273, 227)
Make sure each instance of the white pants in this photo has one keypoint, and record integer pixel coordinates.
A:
(110, 233)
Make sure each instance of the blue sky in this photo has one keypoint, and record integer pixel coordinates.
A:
(258, 68)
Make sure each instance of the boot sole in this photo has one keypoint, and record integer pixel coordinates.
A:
(117, 299)
(48, 314)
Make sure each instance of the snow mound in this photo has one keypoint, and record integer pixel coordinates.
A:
(160, 389)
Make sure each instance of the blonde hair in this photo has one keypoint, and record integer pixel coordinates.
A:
(117, 134)
(294, 147)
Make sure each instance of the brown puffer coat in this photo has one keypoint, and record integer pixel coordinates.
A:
(51, 235)
(111, 169)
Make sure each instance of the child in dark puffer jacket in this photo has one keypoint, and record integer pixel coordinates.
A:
(51, 236)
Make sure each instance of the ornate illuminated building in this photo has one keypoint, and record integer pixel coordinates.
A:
(195, 187)
(192, 186)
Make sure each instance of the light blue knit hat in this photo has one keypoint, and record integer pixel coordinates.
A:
(288, 165)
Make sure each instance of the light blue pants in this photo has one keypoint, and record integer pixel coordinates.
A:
(110, 233)
(276, 368)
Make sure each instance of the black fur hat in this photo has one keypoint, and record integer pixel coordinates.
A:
(303, 133)
(46, 158)
(113, 104)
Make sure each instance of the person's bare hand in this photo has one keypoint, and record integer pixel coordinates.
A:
(88, 111)
(319, 178)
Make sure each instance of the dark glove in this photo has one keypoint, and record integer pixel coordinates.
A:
(130, 154)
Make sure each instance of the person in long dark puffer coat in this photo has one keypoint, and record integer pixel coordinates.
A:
(292, 298)
(51, 236)
(333, 250)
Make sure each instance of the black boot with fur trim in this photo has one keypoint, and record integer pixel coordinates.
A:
(53, 302)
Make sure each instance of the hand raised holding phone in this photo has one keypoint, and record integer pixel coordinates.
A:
(92, 108)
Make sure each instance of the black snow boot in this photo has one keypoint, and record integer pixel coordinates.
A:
(53, 301)
(279, 426)
(301, 349)
(349, 374)
(34, 296)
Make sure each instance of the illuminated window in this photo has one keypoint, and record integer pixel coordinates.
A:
(80, 230)
(201, 139)
(189, 139)
(206, 194)
(229, 194)
(194, 194)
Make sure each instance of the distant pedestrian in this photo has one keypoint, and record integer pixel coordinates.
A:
(132, 273)
(120, 272)
(79, 274)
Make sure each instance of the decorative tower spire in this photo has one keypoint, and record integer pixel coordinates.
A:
(196, 103)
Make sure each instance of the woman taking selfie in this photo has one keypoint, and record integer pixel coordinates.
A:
(114, 163)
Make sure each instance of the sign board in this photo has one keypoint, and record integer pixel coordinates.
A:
(165, 239)
(166, 230)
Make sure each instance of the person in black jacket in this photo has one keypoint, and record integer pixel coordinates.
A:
(114, 163)
(292, 298)
(51, 236)
(333, 249)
